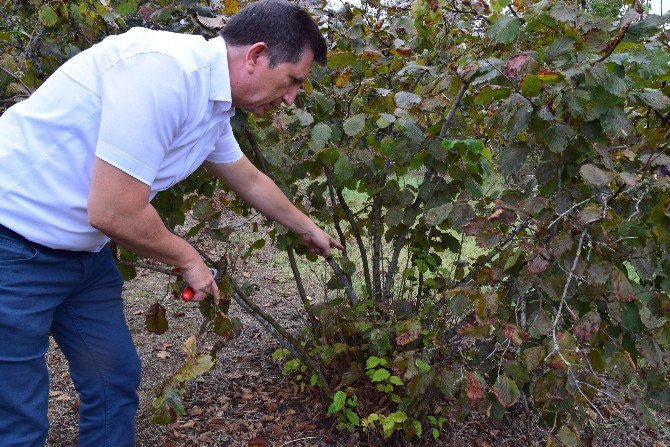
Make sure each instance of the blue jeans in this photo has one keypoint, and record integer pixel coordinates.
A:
(75, 297)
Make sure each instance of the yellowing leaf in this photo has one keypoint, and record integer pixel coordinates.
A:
(341, 79)
(230, 7)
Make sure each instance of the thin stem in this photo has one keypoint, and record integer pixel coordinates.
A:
(301, 289)
(353, 299)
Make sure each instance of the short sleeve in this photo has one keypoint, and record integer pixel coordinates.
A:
(143, 104)
(226, 148)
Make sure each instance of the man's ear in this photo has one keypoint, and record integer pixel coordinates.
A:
(257, 54)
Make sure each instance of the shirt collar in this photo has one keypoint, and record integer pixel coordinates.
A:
(219, 89)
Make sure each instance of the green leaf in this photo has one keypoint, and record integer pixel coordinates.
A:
(304, 117)
(423, 366)
(487, 95)
(126, 7)
(505, 29)
(194, 367)
(558, 136)
(343, 59)
(411, 130)
(435, 216)
(47, 16)
(352, 417)
(395, 380)
(321, 134)
(498, 5)
(630, 317)
(650, 25)
(385, 120)
(405, 100)
(398, 417)
(354, 124)
(155, 320)
(380, 375)
(506, 391)
(342, 171)
(128, 272)
(280, 353)
(534, 357)
(595, 176)
(569, 437)
(531, 85)
(654, 99)
(616, 123)
(511, 159)
(339, 400)
(373, 362)
(599, 76)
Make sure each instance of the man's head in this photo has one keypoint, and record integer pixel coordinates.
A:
(271, 47)
(286, 29)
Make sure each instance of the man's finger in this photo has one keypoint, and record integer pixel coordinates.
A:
(215, 293)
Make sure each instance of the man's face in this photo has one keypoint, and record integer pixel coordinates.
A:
(273, 86)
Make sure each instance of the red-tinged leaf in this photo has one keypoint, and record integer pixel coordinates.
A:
(258, 441)
(600, 272)
(547, 75)
(474, 331)
(538, 265)
(474, 388)
(549, 387)
(595, 176)
(561, 244)
(408, 331)
(515, 65)
(589, 214)
(486, 306)
(223, 326)
(506, 391)
(155, 321)
(534, 357)
(504, 216)
(587, 326)
(623, 291)
(515, 334)
(476, 226)
(481, 7)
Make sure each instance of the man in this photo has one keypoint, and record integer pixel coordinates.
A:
(80, 161)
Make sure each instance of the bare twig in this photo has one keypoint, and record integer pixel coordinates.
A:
(353, 299)
(359, 238)
(282, 335)
(17, 79)
(454, 106)
(301, 289)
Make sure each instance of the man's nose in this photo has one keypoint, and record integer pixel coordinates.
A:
(290, 95)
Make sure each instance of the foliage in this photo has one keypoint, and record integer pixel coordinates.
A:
(536, 132)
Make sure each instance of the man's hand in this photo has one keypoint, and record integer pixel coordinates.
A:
(199, 277)
(319, 242)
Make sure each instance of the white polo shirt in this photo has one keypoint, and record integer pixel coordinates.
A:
(152, 103)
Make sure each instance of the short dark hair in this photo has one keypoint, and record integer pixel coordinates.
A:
(285, 27)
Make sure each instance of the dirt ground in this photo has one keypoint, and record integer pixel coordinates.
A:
(245, 401)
